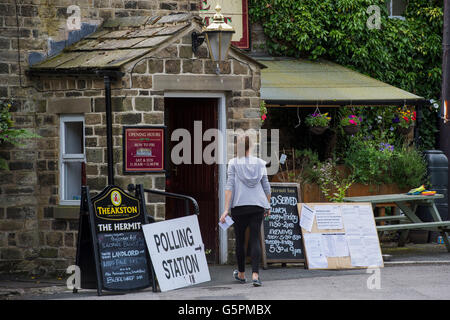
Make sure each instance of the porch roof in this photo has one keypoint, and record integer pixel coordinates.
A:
(300, 82)
(117, 42)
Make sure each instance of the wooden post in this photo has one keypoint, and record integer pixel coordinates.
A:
(444, 139)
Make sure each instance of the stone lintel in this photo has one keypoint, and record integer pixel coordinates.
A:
(62, 106)
(66, 212)
(197, 82)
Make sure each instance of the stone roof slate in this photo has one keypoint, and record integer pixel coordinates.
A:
(117, 42)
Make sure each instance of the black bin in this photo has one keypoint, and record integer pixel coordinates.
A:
(437, 171)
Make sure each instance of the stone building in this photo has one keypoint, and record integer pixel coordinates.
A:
(60, 95)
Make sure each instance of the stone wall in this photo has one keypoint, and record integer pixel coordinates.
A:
(37, 235)
(31, 239)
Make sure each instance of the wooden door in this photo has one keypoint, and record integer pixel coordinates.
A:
(199, 181)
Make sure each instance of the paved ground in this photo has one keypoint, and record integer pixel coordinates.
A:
(413, 272)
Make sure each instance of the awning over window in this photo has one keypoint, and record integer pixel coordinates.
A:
(292, 82)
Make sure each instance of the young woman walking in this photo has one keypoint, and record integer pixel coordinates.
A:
(247, 192)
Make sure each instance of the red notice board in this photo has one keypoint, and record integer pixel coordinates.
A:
(235, 13)
(144, 149)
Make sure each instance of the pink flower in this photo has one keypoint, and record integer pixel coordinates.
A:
(353, 122)
(263, 117)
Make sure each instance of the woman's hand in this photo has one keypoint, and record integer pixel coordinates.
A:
(266, 213)
(223, 216)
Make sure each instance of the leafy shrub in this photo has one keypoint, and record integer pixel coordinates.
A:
(8, 134)
(300, 168)
(382, 163)
(408, 168)
(307, 160)
(331, 179)
(369, 164)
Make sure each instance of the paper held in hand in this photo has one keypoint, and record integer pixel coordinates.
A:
(228, 223)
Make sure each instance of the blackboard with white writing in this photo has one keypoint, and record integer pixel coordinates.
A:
(123, 260)
(282, 240)
(123, 257)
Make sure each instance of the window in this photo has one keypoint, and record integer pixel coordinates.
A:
(72, 158)
(396, 9)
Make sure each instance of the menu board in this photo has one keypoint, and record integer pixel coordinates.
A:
(123, 257)
(282, 240)
(123, 260)
(144, 149)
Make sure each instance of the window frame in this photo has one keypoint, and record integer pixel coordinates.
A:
(390, 11)
(72, 157)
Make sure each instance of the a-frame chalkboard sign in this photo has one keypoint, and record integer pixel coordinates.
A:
(111, 250)
(281, 236)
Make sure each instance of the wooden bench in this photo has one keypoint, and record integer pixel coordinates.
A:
(408, 205)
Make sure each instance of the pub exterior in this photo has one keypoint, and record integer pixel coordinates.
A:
(61, 66)
(156, 81)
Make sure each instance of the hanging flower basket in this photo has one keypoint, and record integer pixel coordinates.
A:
(317, 130)
(405, 131)
(351, 129)
(405, 119)
(317, 122)
(351, 124)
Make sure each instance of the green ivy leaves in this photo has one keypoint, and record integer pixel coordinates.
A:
(404, 53)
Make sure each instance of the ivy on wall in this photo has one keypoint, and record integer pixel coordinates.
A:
(404, 53)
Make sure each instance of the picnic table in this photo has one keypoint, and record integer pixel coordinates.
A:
(408, 219)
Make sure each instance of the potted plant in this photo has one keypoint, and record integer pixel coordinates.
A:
(351, 124)
(405, 120)
(318, 122)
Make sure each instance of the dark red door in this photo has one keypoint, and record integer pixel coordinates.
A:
(199, 181)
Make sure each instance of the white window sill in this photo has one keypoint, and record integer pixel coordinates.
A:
(69, 203)
(397, 17)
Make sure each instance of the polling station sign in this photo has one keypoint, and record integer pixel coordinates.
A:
(177, 252)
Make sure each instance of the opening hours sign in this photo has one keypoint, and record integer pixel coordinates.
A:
(144, 149)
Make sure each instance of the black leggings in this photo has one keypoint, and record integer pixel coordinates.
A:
(241, 222)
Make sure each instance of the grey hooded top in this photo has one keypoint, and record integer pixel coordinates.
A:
(247, 179)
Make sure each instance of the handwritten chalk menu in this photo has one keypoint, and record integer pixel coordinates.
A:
(177, 252)
(340, 236)
(123, 260)
(282, 235)
(118, 220)
(143, 149)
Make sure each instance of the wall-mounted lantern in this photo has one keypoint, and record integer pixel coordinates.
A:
(218, 38)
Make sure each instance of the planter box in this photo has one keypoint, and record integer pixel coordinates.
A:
(312, 193)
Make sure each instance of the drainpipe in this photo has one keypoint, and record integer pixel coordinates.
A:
(109, 137)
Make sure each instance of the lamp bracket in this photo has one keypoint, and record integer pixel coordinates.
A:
(197, 41)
